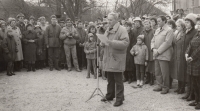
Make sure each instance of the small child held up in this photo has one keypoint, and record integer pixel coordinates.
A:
(140, 53)
(10, 51)
(90, 50)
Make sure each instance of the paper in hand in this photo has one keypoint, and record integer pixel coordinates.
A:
(103, 39)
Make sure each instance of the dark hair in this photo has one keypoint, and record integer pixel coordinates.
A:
(191, 22)
(90, 27)
(154, 19)
(163, 18)
(168, 16)
(172, 22)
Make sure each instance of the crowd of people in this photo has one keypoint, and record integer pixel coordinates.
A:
(157, 48)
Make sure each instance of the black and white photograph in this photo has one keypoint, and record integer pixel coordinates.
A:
(99, 55)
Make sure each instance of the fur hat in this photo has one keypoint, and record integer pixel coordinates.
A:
(20, 15)
(191, 17)
(137, 19)
(141, 37)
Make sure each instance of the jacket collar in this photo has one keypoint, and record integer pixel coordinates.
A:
(115, 28)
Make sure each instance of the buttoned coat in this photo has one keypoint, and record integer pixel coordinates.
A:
(17, 36)
(162, 42)
(114, 59)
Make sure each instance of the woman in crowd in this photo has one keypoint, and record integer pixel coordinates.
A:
(154, 24)
(148, 35)
(192, 57)
(178, 62)
(172, 24)
(30, 39)
(130, 66)
(41, 49)
(17, 36)
(190, 21)
(92, 29)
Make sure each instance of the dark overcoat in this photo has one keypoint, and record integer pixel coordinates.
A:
(30, 47)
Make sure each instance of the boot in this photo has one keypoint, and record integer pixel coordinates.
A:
(147, 78)
(179, 87)
(191, 97)
(57, 67)
(103, 75)
(33, 67)
(29, 67)
(187, 95)
(12, 70)
(151, 79)
(8, 71)
(88, 75)
(197, 106)
(129, 78)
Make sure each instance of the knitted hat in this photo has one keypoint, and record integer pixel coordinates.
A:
(53, 16)
(20, 15)
(191, 17)
(141, 37)
(11, 19)
(90, 35)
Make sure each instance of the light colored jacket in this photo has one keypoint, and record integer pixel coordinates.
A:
(142, 55)
(114, 59)
(162, 41)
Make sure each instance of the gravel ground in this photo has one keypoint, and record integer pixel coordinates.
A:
(64, 91)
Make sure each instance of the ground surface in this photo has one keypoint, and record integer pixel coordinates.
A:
(63, 91)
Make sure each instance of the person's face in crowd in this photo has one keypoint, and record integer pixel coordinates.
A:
(198, 26)
(188, 24)
(3, 26)
(13, 23)
(53, 21)
(68, 24)
(123, 22)
(137, 24)
(160, 22)
(80, 25)
(25, 21)
(62, 24)
(92, 30)
(139, 41)
(153, 23)
(170, 25)
(31, 21)
(179, 27)
(10, 33)
(29, 28)
(43, 21)
(91, 38)
(147, 25)
(38, 23)
(111, 20)
(128, 28)
(21, 19)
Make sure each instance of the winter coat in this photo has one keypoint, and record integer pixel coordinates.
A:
(67, 39)
(82, 35)
(41, 49)
(178, 62)
(52, 34)
(193, 51)
(30, 47)
(129, 58)
(142, 55)
(17, 36)
(21, 26)
(138, 31)
(91, 50)
(148, 35)
(114, 59)
(2, 37)
(9, 46)
(162, 41)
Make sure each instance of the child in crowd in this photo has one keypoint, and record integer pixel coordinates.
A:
(90, 50)
(10, 49)
(140, 53)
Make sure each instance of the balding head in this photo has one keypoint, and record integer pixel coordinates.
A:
(112, 19)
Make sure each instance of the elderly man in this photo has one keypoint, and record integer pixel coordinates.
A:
(53, 43)
(161, 46)
(114, 58)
